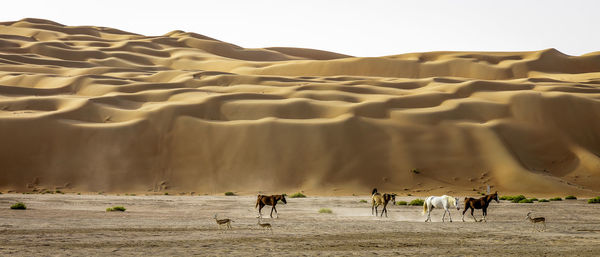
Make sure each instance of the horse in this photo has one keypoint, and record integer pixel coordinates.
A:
(481, 203)
(378, 199)
(263, 200)
(443, 201)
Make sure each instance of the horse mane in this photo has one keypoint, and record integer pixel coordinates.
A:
(374, 191)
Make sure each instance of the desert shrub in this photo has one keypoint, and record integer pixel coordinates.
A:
(116, 208)
(166, 193)
(59, 192)
(570, 197)
(325, 210)
(556, 199)
(533, 199)
(229, 194)
(18, 206)
(416, 171)
(594, 200)
(514, 199)
(408, 194)
(401, 203)
(363, 201)
(298, 195)
(416, 202)
(525, 201)
(544, 200)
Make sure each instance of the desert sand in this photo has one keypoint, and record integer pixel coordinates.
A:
(89, 109)
(78, 225)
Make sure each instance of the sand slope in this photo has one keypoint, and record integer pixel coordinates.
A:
(99, 109)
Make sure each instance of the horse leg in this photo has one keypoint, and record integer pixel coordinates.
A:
(463, 214)
(259, 210)
(449, 215)
(384, 210)
(376, 210)
(373, 209)
(277, 213)
(484, 214)
(472, 210)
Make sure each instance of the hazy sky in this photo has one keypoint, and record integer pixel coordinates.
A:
(361, 28)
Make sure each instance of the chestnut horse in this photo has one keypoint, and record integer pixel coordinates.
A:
(481, 203)
(263, 200)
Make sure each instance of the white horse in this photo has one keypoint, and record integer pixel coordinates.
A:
(439, 202)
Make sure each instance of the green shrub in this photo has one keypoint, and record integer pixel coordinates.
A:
(116, 208)
(556, 199)
(416, 202)
(594, 200)
(408, 194)
(298, 195)
(59, 192)
(18, 206)
(525, 201)
(363, 201)
(401, 203)
(325, 210)
(166, 193)
(514, 199)
(570, 197)
(416, 171)
(543, 201)
(533, 199)
(229, 194)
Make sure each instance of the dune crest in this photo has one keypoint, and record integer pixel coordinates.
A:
(100, 109)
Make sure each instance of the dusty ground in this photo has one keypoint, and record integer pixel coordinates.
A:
(78, 225)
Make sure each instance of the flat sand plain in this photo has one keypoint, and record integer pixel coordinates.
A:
(78, 225)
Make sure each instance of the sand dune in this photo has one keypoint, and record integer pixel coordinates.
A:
(99, 109)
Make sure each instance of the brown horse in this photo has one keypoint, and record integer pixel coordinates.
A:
(263, 200)
(378, 199)
(481, 203)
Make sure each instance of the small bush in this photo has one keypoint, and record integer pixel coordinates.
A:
(116, 208)
(570, 197)
(18, 206)
(534, 199)
(229, 194)
(401, 203)
(594, 200)
(166, 193)
(544, 200)
(325, 210)
(363, 201)
(416, 202)
(59, 192)
(408, 194)
(556, 199)
(298, 195)
(416, 171)
(514, 199)
(525, 201)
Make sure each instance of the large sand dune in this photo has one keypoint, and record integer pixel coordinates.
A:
(99, 109)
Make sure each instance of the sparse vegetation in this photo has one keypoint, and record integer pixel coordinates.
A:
(298, 195)
(594, 200)
(514, 199)
(544, 200)
(59, 192)
(416, 171)
(416, 202)
(166, 193)
(556, 199)
(229, 194)
(18, 206)
(570, 197)
(78, 193)
(363, 201)
(116, 208)
(401, 203)
(325, 210)
(525, 201)
(534, 199)
(408, 194)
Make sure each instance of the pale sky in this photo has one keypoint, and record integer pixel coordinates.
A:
(360, 28)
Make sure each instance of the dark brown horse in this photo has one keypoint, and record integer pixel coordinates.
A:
(481, 203)
(379, 199)
(263, 200)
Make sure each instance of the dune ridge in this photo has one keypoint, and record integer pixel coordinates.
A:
(99, 109)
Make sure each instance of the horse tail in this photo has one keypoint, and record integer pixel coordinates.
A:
(374, 191)
(425, 206)
(257, 201)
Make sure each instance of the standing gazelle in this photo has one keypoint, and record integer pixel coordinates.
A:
(223, 222)
(536, 220)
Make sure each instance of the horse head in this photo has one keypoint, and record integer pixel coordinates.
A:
(495, 197)
(283, 199)
(456, 201)
(393, 198)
